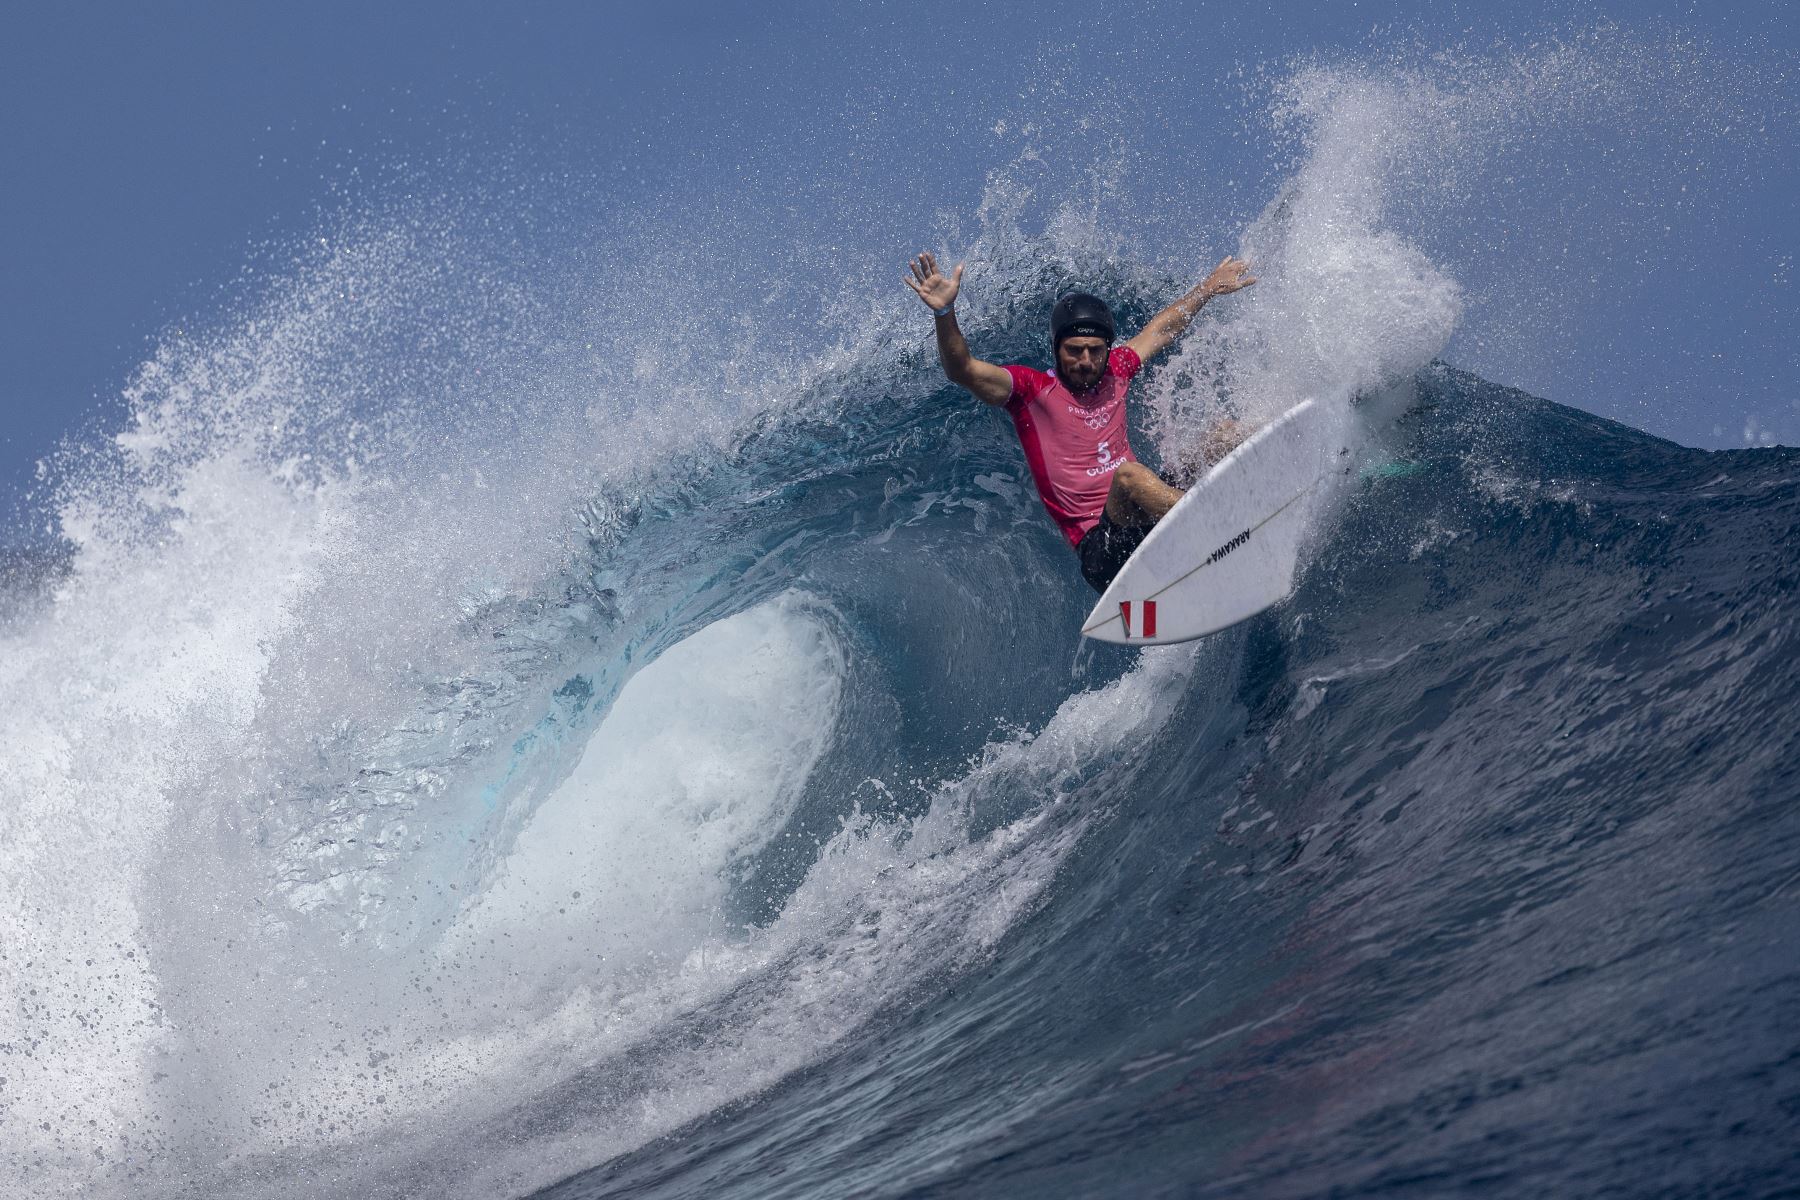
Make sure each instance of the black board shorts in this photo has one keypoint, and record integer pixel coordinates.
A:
(1104, 549)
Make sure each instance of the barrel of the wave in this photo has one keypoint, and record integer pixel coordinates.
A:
(1230, 547)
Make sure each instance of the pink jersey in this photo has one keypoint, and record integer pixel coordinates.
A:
(1073, 444)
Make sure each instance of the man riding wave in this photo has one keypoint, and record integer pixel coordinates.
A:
(1072, 424)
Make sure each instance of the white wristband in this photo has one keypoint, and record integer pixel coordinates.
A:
(944, 311)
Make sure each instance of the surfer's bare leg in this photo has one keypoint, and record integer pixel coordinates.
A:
(1138, 496)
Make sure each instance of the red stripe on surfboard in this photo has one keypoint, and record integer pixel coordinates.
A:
(1148, 614)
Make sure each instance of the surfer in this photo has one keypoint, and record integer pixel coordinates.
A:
(1072, 424)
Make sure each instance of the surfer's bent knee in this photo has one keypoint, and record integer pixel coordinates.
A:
(1130, 476)
(1135, 482)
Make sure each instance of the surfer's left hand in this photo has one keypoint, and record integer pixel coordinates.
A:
(1231, 275)
(935, 288)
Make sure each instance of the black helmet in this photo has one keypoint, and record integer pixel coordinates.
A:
(1080, 314)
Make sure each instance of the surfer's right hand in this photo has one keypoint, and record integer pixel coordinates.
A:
(935, 288)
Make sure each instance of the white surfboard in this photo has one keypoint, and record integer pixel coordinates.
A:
(1229, 548)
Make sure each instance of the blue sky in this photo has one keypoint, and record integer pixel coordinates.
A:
(156, 154)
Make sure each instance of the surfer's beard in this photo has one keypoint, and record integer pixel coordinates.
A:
(1074, 385)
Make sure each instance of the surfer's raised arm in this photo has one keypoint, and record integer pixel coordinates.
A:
(1229, 276)
(991, 384)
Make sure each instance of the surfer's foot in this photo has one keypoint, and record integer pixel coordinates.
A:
(1224, 437)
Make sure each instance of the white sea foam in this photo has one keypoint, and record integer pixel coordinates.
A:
(697, 766)
(108, 705)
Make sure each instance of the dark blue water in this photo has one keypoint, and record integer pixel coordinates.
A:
(1472, 868)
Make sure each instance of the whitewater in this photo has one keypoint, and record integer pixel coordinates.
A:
(462, 749)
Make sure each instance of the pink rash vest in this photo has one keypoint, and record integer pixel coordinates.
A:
(1073, 444)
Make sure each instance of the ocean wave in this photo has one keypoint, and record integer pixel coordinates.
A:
(449, 759)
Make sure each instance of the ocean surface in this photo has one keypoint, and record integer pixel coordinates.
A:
(443, 756)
